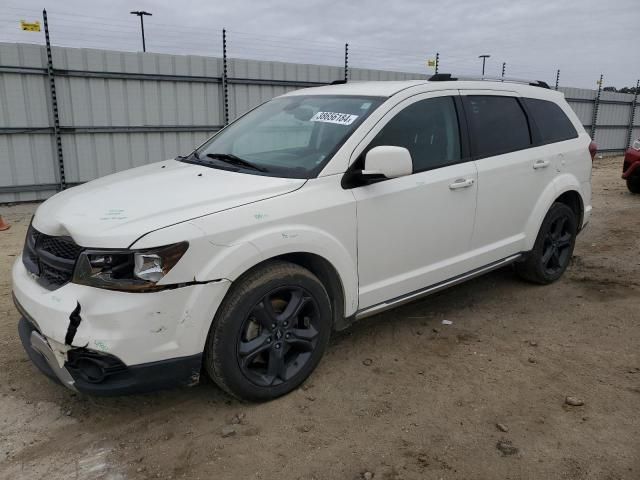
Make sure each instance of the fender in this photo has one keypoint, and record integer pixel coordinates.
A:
(563, 183)
(261, 245)
(229, 260)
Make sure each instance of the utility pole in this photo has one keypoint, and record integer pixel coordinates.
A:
(484, 59)
(557, 78)
(504, 67)
(141, 13)
(437, 62)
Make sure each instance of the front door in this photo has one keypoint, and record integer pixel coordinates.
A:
(415, 231)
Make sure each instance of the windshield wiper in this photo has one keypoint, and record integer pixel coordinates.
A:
(233, 160)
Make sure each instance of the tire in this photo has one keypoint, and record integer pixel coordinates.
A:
(553, 249)
(633, 184)
(269, 333)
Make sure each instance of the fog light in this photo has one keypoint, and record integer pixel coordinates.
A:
(91, 370)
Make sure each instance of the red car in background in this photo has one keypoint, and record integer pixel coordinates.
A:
(631, 167)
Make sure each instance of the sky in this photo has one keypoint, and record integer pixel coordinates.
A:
(582, 38)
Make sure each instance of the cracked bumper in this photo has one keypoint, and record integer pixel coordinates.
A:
(42, 355)
(100, 374)
(150, 340)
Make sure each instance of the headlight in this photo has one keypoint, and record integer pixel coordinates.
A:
(127, 270)
(636, 144)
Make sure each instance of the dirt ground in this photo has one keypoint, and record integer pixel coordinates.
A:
(399, 396)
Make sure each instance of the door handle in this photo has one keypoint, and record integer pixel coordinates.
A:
(541, 164)
(461, 183)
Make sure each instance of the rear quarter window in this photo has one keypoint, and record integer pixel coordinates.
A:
(552, 123)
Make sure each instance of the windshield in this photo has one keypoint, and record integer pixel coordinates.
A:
(288, 136)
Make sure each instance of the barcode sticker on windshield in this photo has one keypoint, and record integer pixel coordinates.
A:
(333, 117)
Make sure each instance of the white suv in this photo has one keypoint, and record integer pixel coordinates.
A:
(317, 208)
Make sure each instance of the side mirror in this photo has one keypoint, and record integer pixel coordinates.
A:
(391, 162)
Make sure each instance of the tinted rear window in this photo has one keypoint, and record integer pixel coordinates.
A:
(498, 124)
(553, 124)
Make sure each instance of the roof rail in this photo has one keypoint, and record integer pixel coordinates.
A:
(447, 77)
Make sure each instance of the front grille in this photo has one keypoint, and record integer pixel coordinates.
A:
(61, 247)
(52, 259)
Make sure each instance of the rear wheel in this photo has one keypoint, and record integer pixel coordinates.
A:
(270, 332)
(633, 184)
(553, 248)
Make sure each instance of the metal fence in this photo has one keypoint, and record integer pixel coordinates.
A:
(612, 119)
(71, 115)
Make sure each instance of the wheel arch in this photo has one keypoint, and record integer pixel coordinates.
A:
(573, 200)
(564, 189)
(326, 273)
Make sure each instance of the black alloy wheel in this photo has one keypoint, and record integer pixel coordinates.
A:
(278, 336)
(553, 248)
(556, 250)
(270, 331)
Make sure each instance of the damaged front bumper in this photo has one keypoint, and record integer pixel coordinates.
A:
(42, 355)
(96, 373)
(110, 343)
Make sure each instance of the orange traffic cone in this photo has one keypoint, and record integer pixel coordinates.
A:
(3, 225)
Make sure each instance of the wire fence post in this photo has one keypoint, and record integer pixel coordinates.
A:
(632, 117)
(62, 181)
(346, 62)
(504, 67)
(225, 79)
(596, 106)
(557, 78)
(437, 62)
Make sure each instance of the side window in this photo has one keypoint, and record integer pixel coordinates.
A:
(498, 124)
(428, 129)
(552, 122)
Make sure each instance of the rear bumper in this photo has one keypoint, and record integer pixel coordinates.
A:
(96, 373)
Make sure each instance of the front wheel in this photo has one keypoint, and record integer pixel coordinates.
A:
(553, 248)
(269, 333)
(633, 184)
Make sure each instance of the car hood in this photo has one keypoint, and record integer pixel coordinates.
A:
(116, 210)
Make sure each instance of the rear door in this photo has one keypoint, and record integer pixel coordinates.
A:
(511, 173)
(556, 139)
